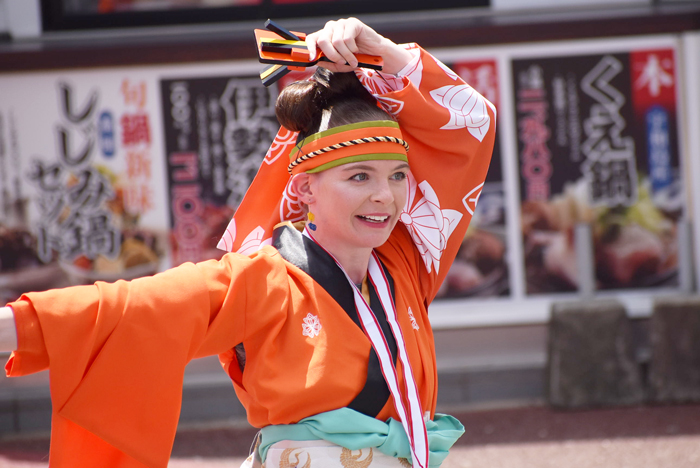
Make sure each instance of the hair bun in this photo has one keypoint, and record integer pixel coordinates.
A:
(299, 105)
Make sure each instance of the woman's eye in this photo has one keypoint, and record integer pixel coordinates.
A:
(399, 176)
(359, 177)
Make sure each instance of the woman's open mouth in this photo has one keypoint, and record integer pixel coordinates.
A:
(374, 219)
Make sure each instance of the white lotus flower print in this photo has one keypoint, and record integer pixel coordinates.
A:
(226, 241)
(447, 70)
(429, 225)
(291, 208)
(378, 84)
(415, 73)
(468, 109)
(282, 141)
(254, 241)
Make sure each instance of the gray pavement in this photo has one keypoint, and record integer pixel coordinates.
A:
(522, 437)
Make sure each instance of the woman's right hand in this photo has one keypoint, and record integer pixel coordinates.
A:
(340, 40)
(8, 332)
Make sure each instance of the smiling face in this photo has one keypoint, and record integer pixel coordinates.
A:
(357, 205)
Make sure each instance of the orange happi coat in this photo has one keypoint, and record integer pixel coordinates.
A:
(117, 352)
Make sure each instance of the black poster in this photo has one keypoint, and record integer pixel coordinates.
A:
(597, 144)
(217, 131)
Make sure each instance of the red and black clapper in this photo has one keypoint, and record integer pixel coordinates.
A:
(285, 51)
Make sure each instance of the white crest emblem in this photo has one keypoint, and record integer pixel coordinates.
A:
(414, 324)
(430, 227)
(392, 106)
(472, 198)
(311, 326)
(467, 109)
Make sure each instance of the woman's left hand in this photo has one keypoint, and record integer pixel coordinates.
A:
(341, 40)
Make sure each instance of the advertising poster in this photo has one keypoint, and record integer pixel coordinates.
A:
(79, 180)
(691, 99)
(481, 269)
(597, 140)
(119, 173)
(217, 131)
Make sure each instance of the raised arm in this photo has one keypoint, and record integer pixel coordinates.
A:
(340, 40)
(8, 332)
(450, 128)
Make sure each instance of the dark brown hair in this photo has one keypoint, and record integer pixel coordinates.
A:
(299, 106)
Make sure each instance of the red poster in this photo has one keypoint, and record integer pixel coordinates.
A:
(480, 269)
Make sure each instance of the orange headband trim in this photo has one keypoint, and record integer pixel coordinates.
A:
(363, 141)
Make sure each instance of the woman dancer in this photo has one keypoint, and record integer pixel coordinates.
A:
(324, 332)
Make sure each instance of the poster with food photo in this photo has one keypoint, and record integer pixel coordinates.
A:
(597, 139)
(480, 268)
(217, 131)
(79, 181)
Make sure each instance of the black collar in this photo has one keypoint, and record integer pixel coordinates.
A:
(308, 256)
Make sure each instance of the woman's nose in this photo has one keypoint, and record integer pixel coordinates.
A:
(382, 193)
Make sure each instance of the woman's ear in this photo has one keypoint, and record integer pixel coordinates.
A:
(301, 185)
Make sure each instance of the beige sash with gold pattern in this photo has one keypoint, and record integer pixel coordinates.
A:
(323, 454)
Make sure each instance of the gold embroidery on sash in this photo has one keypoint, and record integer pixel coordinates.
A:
(286, 463)
(348, 460)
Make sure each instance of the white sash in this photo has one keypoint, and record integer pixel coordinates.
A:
(411, 417)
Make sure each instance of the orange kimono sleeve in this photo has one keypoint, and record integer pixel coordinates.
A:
(117, 354)
(451, 132)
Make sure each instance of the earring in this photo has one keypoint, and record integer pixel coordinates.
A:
(311, 218)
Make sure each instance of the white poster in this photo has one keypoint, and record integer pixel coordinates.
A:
(83, 175)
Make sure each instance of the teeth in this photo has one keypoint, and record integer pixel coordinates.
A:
(378, 219)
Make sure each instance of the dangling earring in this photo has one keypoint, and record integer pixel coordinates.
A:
(311, 218)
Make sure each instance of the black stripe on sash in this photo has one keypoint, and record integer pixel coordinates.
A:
(314, 261)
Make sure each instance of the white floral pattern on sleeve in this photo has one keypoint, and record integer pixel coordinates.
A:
(468, 109)
(284, 139)
(447, 70)
(226, 241)
(254, 241)
(430, 227)
(379, 83)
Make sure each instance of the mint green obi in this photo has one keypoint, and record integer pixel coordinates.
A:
(353, 430)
